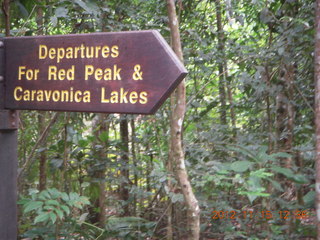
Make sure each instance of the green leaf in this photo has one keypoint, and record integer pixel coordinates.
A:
(54, 21)
(90, 7)
(82, 218)
(309, 198)
(177, 197)
(83, 143)
(242, 150)
(85, 184)
(285, 171)
(261, 173)
(300, 179)
(281, 155)
(84, 200)
(53, 202)
(104, 136)
(32, 206)
(254, 183)
(254, 195)
(61, 12)
(44, 195)
(276, 185)
(297, 178)
(53, 217)
(73, 196)
(241, 166)
(66, 209)
(65, 197)
(24, 12)
(50, 208)
(54, 193)
(44, 216)
(59, 213)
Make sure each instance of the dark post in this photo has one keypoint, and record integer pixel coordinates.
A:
(8, 162)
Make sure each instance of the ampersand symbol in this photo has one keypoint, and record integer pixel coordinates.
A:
(137, 75)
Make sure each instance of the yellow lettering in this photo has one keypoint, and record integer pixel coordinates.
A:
(33, 92)
(29, 73)
(56, 96)
(89, 70)
(123, 96)
(114, 51)
(81, 51)
(15, 93)
(40, 96)
(107, 74)
(47, 95)
(76, 50)
(26, 95)
(43, 51)
(114, 97)
(97, 51)
(82, 48)
(103, 94)
(78, 96)
(116, 72)
(133, 97)
(52, 73)
(98, 74)
(36, 72)
(89, 52)
(61, 54)
(105, 51)
(69, 53)
(71, 94)
(87, 96)
(70, 73)
(52, 53)
(61, 74)
(21, 71)
(143, 98)
(64, 96)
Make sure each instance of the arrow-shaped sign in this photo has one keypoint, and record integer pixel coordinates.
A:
(124, 72)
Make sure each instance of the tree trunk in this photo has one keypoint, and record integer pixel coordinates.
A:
(43, 155)
(66, 153)
(103, 127)
(222, 70)
(124, 190)
(135, 163)
(98, 184)
(286, 110)
(176, 123)
(317, 111)
(169, 166)
(6, 11)
(289, 78)
(285, 114)
(41, 120)
(171, 205)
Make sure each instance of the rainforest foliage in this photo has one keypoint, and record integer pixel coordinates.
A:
(248, 132)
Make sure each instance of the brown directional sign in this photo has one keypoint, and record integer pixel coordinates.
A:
(124, 72)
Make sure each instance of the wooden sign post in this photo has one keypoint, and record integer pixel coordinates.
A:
(124, 72)
(8, 163)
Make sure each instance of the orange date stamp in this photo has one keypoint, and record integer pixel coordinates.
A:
(263, 214)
